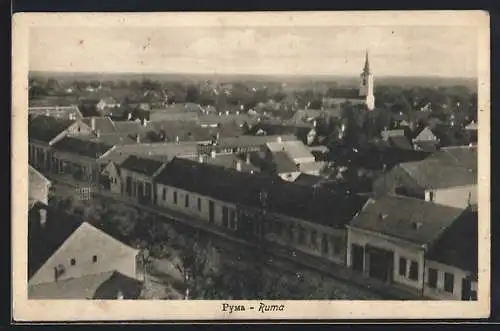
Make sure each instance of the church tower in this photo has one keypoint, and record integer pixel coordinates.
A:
(366, 85)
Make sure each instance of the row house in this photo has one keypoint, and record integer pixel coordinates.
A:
(401, 241)
(44, 132)
(79, 157)
(138, 178)
(242, 144)
(288, 215)
(447, 177)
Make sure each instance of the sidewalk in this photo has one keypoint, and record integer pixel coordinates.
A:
(331, 269)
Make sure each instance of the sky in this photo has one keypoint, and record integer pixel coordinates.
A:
(449, 51)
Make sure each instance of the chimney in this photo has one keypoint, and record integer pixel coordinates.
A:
(138, 138)
(212, 154)
(315, 123)
(43, 217)
(176, 139)
(417, 225)
(92, 123)
(217, 137)
(237, 165)
(279, 140)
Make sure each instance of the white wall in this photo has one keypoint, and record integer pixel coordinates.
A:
(192, 209)
(400, 249)
(439, 292)
(455, 196)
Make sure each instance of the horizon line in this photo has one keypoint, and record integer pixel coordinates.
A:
(241, 74)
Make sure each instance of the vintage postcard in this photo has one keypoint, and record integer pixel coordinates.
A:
(238, 166)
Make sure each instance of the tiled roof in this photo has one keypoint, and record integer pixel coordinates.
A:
(295, 149)
(166, 151)
(46, 128)
(82, 147)
(410, 219)
(311, 204)
(102, 124)
(400, 142)
(127, 127)
(141, 165)
(283, 163)
(448, 167)
(427, 146)
(458, 246)
(247, 140)
(102, 286)
(227, 161)
(308, 180)
(67, 112)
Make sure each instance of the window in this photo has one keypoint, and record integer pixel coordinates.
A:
(324, 244)
(433, 277)
(199, 204)
(431, 196)
(413, 270)
(175, 197)
(232, 219)
(302, 235)
(314, 239)
(186, 201)
(73, 261)
(225, 217)
(94, 258)
(402, 266)
(448, 282)
(164, 194)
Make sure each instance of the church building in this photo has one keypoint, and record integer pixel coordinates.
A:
(359, 96)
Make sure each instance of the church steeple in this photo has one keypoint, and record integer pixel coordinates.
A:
(366, 69)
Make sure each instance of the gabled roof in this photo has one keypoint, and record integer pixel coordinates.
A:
(43, 242)
(46, 128)
(308, 180)
(458, 246)
(248, 141)
(127, 127)
(61, 112)
(102, 286)
(142, 165)
(103, 124)
(413, 220)
(448, 167)
(311, 204)
(82, 147)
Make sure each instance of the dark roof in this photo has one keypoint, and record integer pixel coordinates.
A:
(43, 242)
(308, 180)
(427, 146)
(400, 142)
(312, 204)
(46, 128)
(397, 216)
(283, 163)
(82, 147)
(458, 246)
(101, 286)
(142, 165)
(448, 167)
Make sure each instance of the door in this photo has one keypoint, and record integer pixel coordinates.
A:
(466, 289)
(357, 257)
(380, 264)
(211, 212)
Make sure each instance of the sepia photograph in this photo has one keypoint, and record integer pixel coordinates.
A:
(212, 166)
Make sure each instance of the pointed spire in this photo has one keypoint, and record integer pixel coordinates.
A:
(366, 69)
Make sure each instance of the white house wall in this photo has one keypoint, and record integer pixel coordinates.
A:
(439, 292)
(400, 249)
(458, 197)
